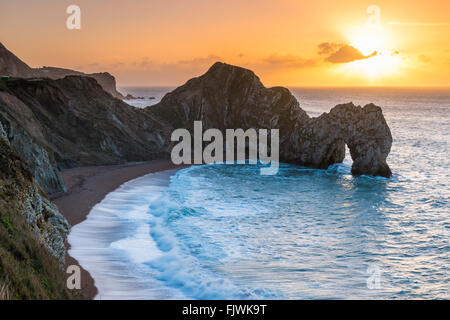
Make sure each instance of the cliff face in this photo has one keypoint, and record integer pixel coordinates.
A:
(32, 235)
(12, 66)
(14, 117)
(104, 79)
(78, 123)
(44, 219)
(233, 97)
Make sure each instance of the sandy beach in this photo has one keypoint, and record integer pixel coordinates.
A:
(87, 186)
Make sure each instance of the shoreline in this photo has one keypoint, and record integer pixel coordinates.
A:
(87, 186)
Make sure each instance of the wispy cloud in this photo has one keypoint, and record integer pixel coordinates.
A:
(419, 24)
(289, 61)
(329, 47)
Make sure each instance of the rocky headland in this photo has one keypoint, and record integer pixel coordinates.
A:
(232, 97)
(11, 65)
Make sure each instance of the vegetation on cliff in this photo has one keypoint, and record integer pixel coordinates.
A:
(28, 269)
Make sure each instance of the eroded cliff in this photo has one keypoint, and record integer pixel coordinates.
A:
(32, 235)
(80, 124)
(11, 65)
(233, 97)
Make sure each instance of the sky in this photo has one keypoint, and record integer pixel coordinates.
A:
(285, 42)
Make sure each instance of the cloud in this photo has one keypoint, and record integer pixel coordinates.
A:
(348, 53)
(288, 61)
(145, 62)
(196, 62)
(342, 53)
(328, 47)
(144, 70)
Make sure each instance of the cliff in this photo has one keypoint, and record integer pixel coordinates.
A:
(233, 97)
(11, 65)
(14, 118)
(32, 235)
(104, 79)
(80, 124)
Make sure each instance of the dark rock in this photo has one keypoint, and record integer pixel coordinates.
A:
(104, 79)
(12, 66)
(131, 97)
(233, 97)
(19, 191)
(80, 124)
(33, 153)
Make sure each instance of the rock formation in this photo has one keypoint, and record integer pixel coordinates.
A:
(13, 66)
(233, 97)
(10, 65)
(80, 124)
(77, 123)
(40, 213)
(363, 130)
(104, 79)
(40, 161)
(32, 234)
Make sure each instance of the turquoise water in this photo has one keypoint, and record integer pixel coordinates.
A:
(226, 232)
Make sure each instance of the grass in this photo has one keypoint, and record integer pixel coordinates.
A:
(4, 290)
(27, 269)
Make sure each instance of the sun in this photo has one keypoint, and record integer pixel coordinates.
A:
(373, 42)
(367, 40)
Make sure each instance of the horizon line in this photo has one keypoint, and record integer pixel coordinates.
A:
(309, 86)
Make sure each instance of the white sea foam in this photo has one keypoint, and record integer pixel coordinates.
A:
(114, 240)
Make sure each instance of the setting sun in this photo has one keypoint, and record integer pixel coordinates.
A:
(368, 40)
(379, 60)
(380, 65)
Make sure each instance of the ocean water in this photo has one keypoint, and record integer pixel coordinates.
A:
(151, 95)
(226, 232)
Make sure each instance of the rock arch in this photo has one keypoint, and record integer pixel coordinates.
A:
(363, 130)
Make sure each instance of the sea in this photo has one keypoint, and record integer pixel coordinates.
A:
(224, 231)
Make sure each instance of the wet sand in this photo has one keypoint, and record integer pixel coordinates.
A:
(87, 186)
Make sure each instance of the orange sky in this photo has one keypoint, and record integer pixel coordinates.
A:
(159, 43)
